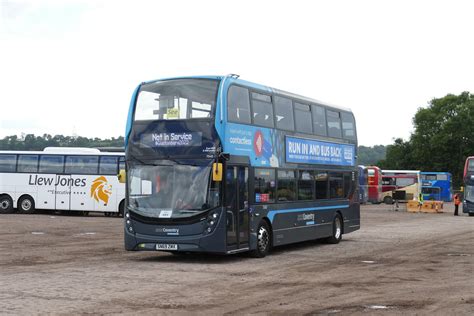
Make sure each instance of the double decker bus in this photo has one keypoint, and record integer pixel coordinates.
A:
(62, 179)
(363, 184)
(222, 165)
(436, 186)
(374, 181)
(468, 177)
(400, 185)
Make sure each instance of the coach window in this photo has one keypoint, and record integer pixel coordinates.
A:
(264, 185)
(122, 163)
(82, 164)
(303, 118)
(336, 189)
(305, 185)
(334, 124)
(28, 163)
(347, 184)
(238, 109)
(284, 113)
(319, 120)
(7, 163)
(348, 126)
(321, 186)
(262, 108)
(108, 165)
(51, 164)
(286, 185)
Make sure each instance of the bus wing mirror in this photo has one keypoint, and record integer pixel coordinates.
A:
(121, 176)
(217, 171)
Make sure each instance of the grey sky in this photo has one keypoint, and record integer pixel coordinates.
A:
(71, 67)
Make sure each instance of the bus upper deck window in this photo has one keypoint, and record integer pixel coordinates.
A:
(238, 108)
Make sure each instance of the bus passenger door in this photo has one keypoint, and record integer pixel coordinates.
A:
(236, 204)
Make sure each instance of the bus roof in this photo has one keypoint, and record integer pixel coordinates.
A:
(71, 149)
(401, 171)
(235, 79)
(57, 151)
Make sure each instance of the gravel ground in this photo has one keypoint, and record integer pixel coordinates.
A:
(398, 263)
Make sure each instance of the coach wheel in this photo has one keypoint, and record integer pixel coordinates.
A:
(26, 205)
(388, 200)
(6, 204)
(85, 213)
(471, 214)
(263, 241)
(336, 230)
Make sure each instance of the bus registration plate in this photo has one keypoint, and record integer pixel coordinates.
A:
(166, 247)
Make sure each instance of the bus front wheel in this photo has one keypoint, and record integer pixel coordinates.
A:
(6, 204)
(263, 241)
(336, 230)
(26, 205)
(388, 200)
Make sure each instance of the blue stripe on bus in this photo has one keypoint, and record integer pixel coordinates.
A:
(271, 214)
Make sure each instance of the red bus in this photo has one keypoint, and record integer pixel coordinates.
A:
(374, 183)
(469, 169)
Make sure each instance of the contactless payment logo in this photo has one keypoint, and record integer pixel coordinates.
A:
(258, 143)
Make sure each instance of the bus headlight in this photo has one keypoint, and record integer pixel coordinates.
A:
(211, 222)
(128, 223)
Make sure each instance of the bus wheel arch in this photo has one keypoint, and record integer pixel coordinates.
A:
(26, 204)
(264, 239)
(342, 221)
(337, 229)
(121, 208)
(6, 204)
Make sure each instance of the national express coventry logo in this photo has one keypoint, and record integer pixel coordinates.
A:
(101, 189)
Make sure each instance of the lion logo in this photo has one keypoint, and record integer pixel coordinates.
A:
(101, 190)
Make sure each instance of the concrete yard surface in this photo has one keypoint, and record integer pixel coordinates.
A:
(398, 263)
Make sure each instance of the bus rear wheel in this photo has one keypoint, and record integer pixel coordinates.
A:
(388, 200)
(336, 230)
(263, 241)
(6, 204)
(26, 205)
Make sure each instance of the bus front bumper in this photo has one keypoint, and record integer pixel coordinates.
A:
(213, 242)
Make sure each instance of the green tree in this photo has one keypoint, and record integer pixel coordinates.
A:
(442, 139)
(371, 155)
(32, 142)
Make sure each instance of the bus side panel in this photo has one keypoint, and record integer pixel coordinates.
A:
(63, 192)
(351, 218)
(46, 190)
(9, 186)
(301, 223)
(16, 185)
(81, 199)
